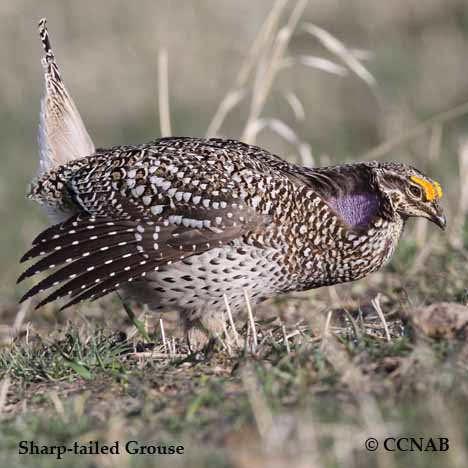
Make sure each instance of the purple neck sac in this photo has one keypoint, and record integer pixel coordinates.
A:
(357, 209)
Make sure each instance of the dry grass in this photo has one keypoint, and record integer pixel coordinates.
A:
(163, 94)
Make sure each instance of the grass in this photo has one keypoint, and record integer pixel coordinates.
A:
(310, 399)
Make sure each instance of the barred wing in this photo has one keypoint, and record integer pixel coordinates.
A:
(98, 254)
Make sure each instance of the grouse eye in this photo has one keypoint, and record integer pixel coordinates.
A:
(415, 191)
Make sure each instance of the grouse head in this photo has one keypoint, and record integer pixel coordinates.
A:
(408, 192)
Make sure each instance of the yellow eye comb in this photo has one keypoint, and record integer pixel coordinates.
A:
(430, 190)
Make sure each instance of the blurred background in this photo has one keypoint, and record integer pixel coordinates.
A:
(355, 73)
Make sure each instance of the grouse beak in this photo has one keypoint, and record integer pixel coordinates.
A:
(440, 221)
(437, 217)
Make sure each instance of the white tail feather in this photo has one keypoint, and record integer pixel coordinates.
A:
(62, 135)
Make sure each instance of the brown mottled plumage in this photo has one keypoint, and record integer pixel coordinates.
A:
(179, 222)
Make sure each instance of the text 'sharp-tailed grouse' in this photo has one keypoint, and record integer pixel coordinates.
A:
(177, 223)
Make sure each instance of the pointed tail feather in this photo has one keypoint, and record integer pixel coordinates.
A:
(62, 135)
